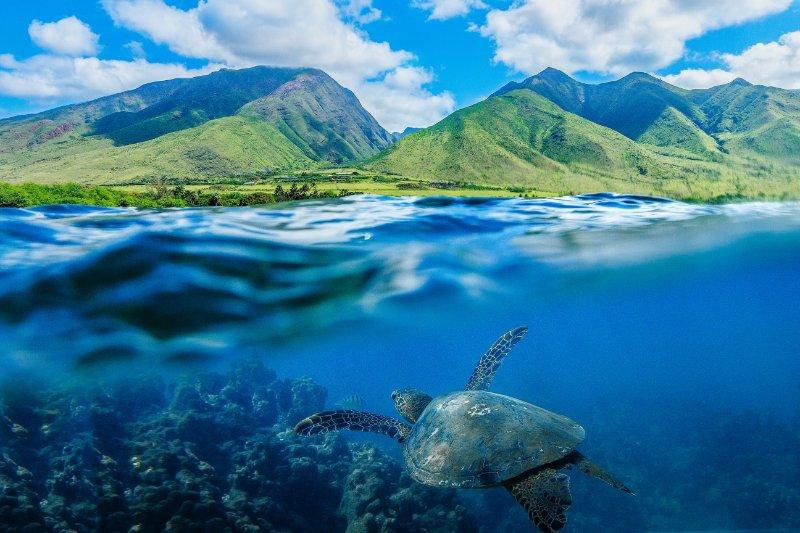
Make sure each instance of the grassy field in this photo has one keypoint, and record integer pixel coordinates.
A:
(302, 186)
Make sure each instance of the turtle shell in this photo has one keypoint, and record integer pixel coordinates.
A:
(481, 439)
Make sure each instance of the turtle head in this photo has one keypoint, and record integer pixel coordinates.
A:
(410, 403)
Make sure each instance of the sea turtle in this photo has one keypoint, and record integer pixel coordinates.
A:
(478, 439)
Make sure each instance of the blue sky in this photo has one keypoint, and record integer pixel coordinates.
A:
(409, 61)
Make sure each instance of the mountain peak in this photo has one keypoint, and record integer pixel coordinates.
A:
(639, 76)
(405, 133)
(553, 73)
(741, 82)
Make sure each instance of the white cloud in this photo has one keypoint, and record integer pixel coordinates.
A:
(51, 78)
(610, 36)
(181, 30)
(7, 61)
(446, 9)
(137, 49)
(360, 11)
(776, 63)
(402, 91)
(695, 78)
(69, 36)
(66, 74)
(242, 33)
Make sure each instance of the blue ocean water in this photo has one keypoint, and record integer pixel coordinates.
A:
(670, 331)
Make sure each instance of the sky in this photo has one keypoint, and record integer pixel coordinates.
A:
(410, 62)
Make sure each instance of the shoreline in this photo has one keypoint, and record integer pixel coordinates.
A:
(270, 192)
(267, 192)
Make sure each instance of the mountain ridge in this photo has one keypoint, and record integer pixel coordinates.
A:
(632, 104)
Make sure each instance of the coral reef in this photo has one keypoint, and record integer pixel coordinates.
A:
(210, 453)
(380, 497)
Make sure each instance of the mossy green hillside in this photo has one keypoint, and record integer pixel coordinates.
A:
(223, 124)
(647, 137)
(524, 139)
(222, 147)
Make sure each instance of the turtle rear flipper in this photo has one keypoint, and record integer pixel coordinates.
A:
(490, 361)
(591, 469)
(328, 421)
(545, 495)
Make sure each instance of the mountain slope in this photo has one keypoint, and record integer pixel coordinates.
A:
(229, 122)
(639, 106)
(321, 118)
(738, 117)
(675, 130)
(522, 138)
(753, 119)
(219, 148)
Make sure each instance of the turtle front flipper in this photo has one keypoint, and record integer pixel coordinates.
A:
(490, 361)
(545, 495)
(328, 421)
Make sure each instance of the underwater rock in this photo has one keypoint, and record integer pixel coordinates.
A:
(306, 397)
(19, 502)
(213, 452)
(380, 497)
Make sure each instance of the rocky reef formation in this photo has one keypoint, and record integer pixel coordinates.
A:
(210, 453)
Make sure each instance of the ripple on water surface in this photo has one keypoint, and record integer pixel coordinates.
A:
(127, 283)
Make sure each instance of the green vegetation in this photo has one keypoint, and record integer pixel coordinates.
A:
(741, 118)
(221, 148)
(156, 196)
(31, 194)
(522, 139)
(332, 183)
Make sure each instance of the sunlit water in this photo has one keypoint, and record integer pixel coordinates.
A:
(648, 319)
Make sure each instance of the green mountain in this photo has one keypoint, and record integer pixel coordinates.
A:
(521, 138)
(640, 134)
(226, 123)
(753, 119)
(639, 106)
(738, 116)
